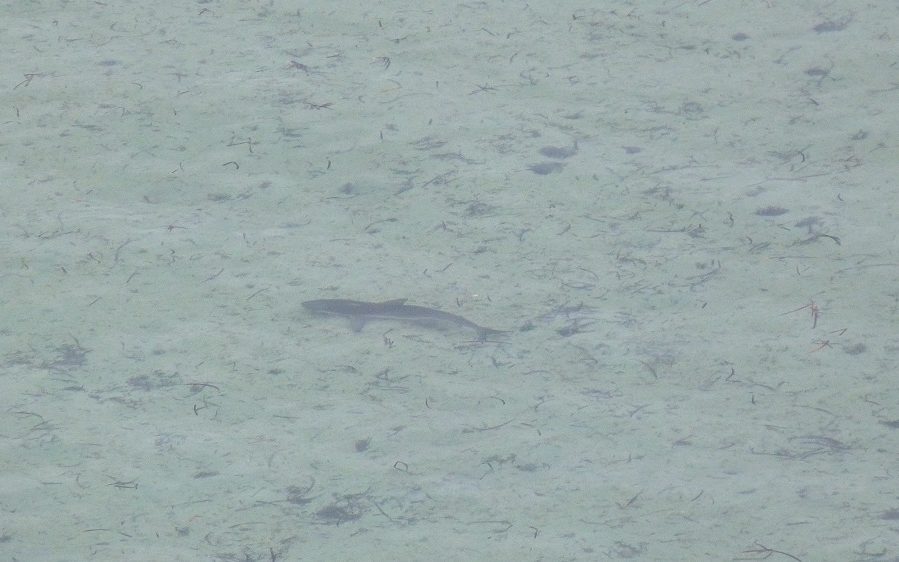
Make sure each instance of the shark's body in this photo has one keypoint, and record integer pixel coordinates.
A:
(359, 312)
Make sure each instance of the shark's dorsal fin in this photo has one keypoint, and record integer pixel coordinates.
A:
(395, 302)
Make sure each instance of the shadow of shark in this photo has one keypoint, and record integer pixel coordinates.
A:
(359, 313)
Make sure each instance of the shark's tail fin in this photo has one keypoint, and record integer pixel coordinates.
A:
(486, 333)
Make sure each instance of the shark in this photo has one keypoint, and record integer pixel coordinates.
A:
(360, 312)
